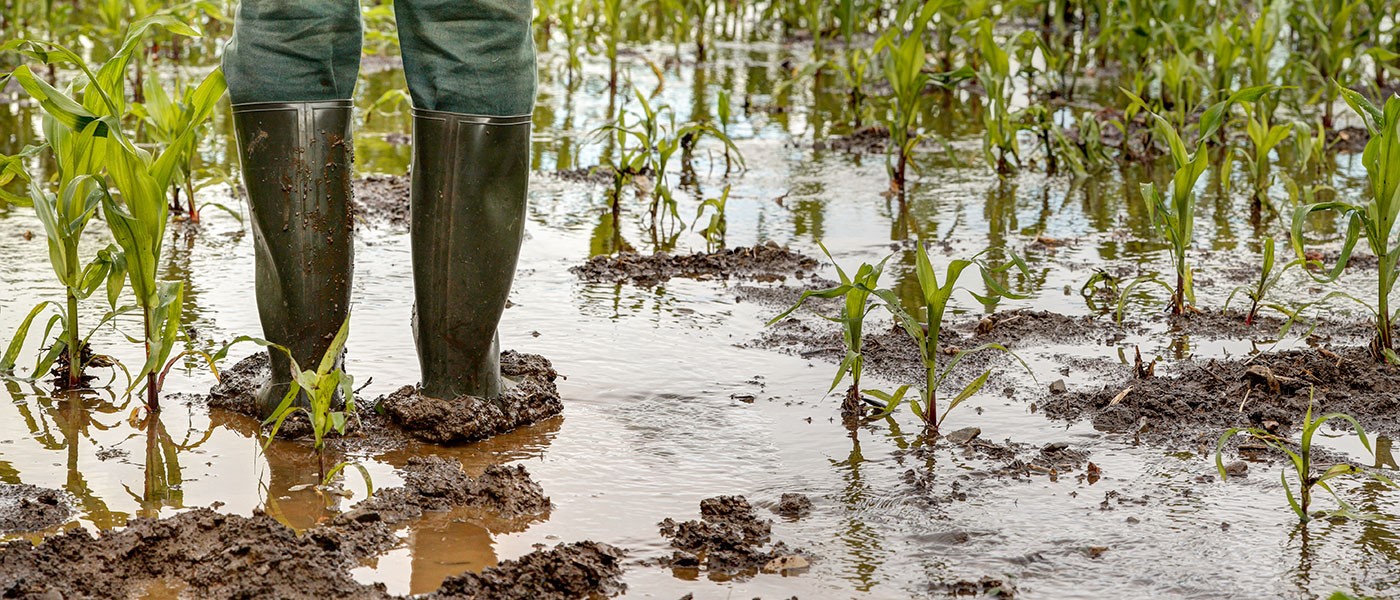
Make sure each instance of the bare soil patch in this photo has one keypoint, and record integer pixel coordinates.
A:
(764, 262)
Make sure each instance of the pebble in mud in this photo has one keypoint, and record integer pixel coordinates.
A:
(728, 540)
(26, 508)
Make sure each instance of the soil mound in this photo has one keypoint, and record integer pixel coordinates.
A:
(533, 398)
(728, 540)
(764, 262)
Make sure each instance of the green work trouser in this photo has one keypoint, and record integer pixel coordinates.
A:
(461, 56)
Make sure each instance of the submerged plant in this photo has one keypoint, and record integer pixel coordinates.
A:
(855, 293)
(935, 298)
(1375, 217)
(1302, 462)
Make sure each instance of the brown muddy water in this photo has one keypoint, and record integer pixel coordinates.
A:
(672, 395)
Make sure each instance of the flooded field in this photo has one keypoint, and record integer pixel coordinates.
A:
(676, 389)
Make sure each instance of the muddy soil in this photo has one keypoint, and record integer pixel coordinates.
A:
(28, 508)
(793, 506)
(866, 140)
(728, 540)
(764, 262)
(532, 397)
(578, 570)
(209, 554)
(1199, 400)
(381, 199)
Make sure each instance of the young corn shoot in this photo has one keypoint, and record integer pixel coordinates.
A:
(1302, 463)
(935, 298)
(855, 293)
(714, 231)
(1173, 211)
(1263, 138)
(1374, 217)
(320, 388)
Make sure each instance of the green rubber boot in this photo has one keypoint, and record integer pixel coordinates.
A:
(470, 180)
(296, 165)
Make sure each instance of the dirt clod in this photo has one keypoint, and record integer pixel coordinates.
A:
(764, 262)
(794, 506)
(578, 570)
(727, 540)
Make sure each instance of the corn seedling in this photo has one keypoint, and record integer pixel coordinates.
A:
(321, 388)
(1302, 463)
(855, 293)
(166, 119)
(1263, 138)
(714, 231)
(935, 297)
(1000, 124)
(1259, 291)
(904, 61)
(1374, 217)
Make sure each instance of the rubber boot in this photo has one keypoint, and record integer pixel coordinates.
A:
(470, 180)
(296, 166)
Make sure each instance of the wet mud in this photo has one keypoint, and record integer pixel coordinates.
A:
(204, 553)
(381, 200)
(764, 262)
(531, 397)
(1198, 400)
(26, 508)
(728, 540)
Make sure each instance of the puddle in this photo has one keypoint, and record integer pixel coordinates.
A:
(667, 402)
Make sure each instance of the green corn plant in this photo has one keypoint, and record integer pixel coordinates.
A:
(714, 231)
(1174, 215)
(320, 388)
(1330, 46)
(1258, 292)
(1375, 217)
(935, 298)
(1000, 124)
(904, 60)
(1302, 462)
(855, 293)
(855, 66)
(166, 120)
(1263, 138)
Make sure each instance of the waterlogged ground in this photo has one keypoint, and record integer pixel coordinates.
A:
(674, 393)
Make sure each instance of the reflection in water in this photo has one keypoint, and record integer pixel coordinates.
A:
(61, 422)
(163, 480)
(289, 465)
(864, 545)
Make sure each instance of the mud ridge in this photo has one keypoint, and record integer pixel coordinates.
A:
(728, 540)
(205, 553)
(1198, 400)
(764, 262)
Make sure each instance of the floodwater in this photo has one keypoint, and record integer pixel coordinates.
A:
(654, 420)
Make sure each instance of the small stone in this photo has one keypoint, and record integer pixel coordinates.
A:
(1058, 387)
(1096, 551)
(1237, 469)
(963, 436)
(789, 562)
(1133, 520)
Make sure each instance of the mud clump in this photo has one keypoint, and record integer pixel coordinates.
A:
(532, 399)
(381, 199)
(866, 140)
(432, 483)
(764, 262)
(727, 540)
(578, 570)
(1200, 399)
(28, 508)
(794, 506)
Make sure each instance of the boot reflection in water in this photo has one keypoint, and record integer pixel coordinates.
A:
(291, 67)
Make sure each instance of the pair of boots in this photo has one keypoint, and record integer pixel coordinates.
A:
(469, 186)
